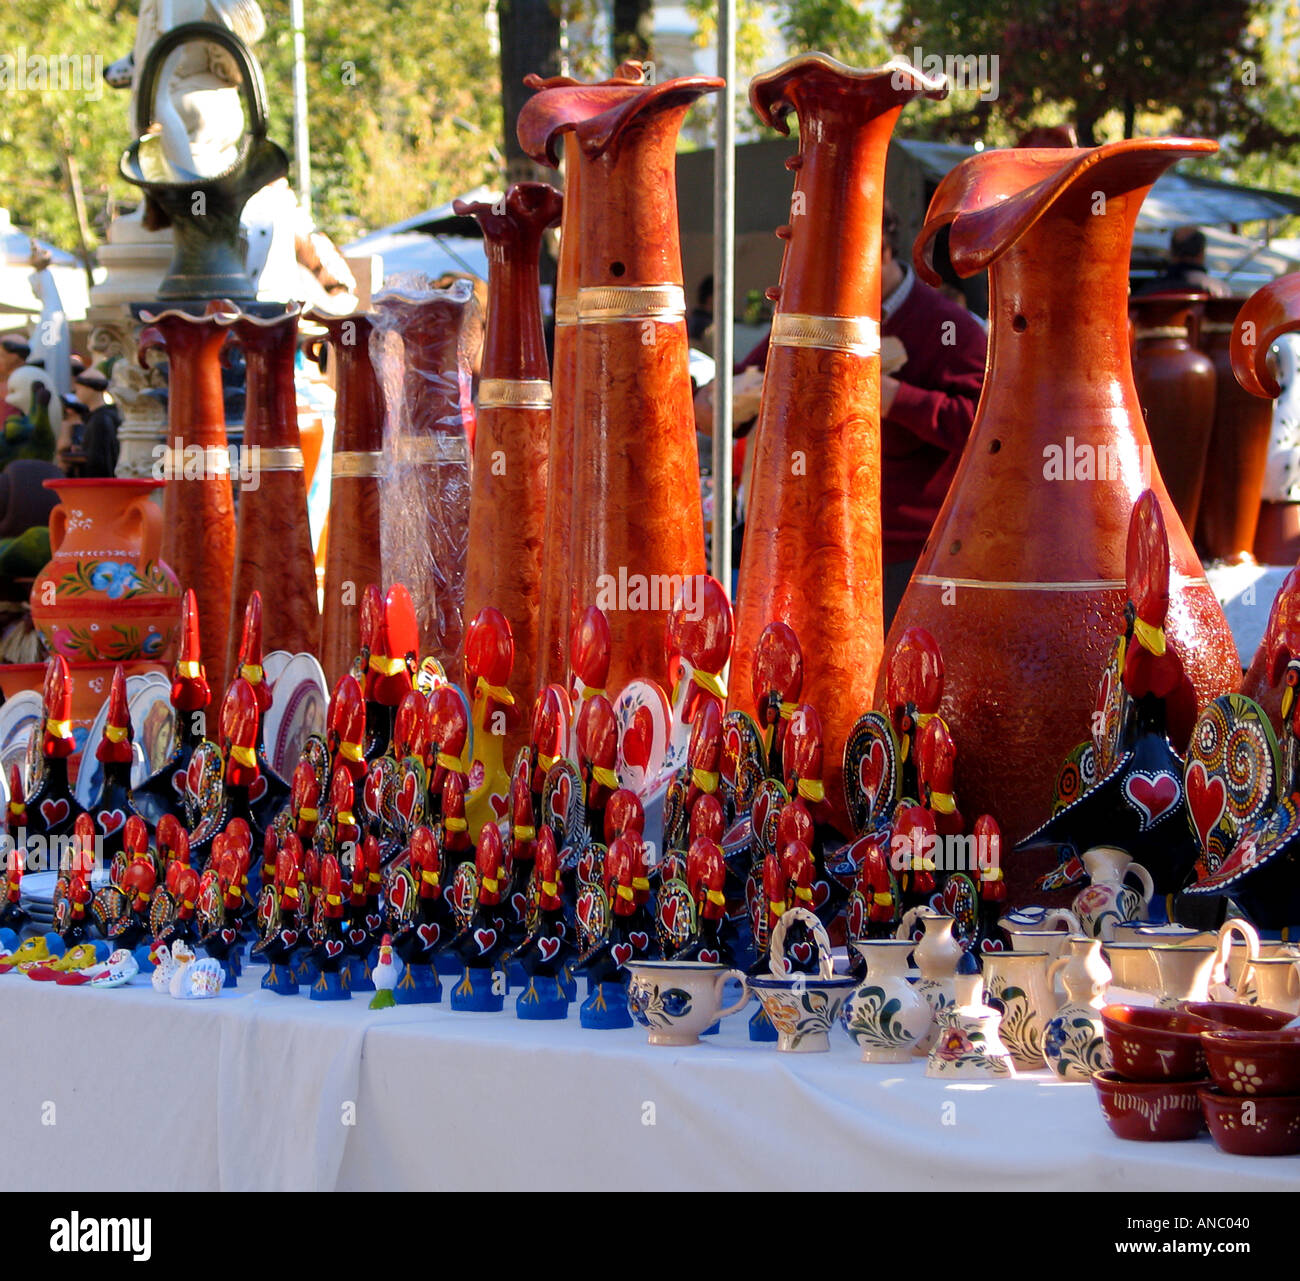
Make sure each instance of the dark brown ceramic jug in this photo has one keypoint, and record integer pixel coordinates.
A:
(1175, 384)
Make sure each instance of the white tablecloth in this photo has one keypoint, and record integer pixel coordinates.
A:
(125, 1089)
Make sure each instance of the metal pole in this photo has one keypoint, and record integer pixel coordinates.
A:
(301, 146)
(724, 241)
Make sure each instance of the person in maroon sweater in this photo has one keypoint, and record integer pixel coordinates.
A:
(933, 353)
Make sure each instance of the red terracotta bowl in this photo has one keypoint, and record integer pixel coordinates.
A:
(1149, 1111)
(1246, 1018)
(1252, 1127)
(1154, 1045)
(1253, 1064)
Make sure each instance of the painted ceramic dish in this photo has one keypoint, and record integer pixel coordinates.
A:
(802, 1008)
(1153, 1044)
(1253, 1064)
(1252, 1127)
(1149, 1111)
(1245, 1018)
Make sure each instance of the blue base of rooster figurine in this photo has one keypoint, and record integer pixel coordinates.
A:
(330, 987)
(569, 984)
(448, 963)
(606, 1007)
(359, 979)
(479, 992)
(760, 1026)
(419, 985)
(516, 977)
(281, 980)
(543, 997)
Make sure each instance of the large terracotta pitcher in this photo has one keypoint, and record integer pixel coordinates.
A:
(273, 551)
(1234, 467)
(636, 526)
(507, 507)
(199, 501)
(812, 553)
(557, 604)
(1175, 383)
(106, 595)
(352, 559)
(1022, 579)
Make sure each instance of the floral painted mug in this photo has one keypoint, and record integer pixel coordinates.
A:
(677, 1000)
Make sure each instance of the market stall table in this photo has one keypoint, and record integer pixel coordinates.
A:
(130, 1089)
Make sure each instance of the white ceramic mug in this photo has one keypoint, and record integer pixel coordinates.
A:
(677, 1000)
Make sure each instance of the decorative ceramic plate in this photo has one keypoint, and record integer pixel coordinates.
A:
(300, 700)
(273, 664)
(19, 717)
(142, 695)
(643, 718)
(562, 805)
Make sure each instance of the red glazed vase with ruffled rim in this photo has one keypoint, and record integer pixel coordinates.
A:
(1022, 579)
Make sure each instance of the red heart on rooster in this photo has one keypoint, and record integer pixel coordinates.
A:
(485, 940)
(178, 782)
(585, 908)
(407, 797)
(560, 801)
(622, 953)
(289, 937)
(373, 921)
(802, 952)
(357, 937)
(228, 935)
(548, 948)
(821, 891)
(639, 939)
(519, 903)
(55, 811)
(638, 737)
(855, 916)
(110, 821)
(500, 805)
(668, 913)
(991, 945)
(1207, 798)
(709, 955)
(257, 789)
(871, 772)
(1153, 794)
(333, 948)
(429, 934)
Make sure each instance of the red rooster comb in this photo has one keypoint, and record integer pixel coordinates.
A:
(777, 677)
(57, 738)
(589, 649)
(115, 746)
(190, 689)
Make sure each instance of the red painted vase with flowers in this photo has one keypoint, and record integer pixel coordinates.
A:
(105, 595)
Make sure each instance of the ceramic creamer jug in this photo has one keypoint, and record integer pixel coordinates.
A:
(1016, 983)
(886, 1015)
(1106, 901)
(1072, 1040)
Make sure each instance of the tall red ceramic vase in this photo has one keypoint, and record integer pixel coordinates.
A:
(558, 605)
(812, 553)
(352, 557)
(273, 551)
(198, 503)
(636, 526)
(1022, 578)
(507, 506)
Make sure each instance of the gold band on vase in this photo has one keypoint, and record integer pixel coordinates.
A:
(853, 335)
(216, 461)
(514, 393)
(359, 464)
(566, 311)
(1162, 331)
(424, 449)
(258, 458)
(608, 304)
